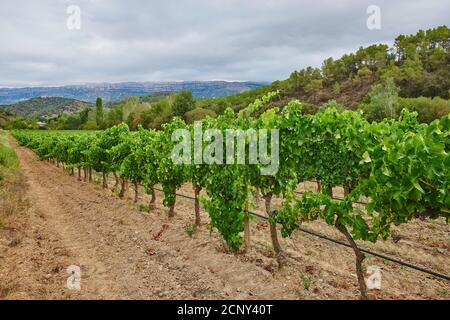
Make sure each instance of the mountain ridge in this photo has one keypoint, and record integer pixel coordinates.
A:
(111, 92)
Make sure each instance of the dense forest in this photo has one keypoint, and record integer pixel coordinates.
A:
(379, 80)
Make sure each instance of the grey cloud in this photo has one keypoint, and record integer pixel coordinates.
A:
(260, 40)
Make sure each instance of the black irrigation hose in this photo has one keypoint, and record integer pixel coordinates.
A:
(375, 254)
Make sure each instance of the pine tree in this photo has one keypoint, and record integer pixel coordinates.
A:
(99, 112)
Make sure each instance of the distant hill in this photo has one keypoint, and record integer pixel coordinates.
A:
(45, 107)
(111, 92)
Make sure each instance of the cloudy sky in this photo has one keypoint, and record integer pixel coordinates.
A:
(133, 40)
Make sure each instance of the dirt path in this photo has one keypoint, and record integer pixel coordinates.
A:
(122, 252)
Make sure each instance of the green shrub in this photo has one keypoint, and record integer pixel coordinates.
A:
(198, 114)
(8, 157)
(382, 102)
(90, 125)
(428, 109)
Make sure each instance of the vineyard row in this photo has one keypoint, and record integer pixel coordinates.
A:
(400, 166)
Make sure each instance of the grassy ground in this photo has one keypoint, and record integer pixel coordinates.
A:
(8, 158)
(11, 182)
(13, 204)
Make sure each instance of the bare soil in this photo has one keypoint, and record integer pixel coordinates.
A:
(125, 253)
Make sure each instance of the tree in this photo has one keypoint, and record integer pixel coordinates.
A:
(90, 125)
(84, 116)
(336, 88)
(158, 113)
(364, 73)
(313, 87)
(198, 114)
(73, 122)
(114, 117)
(381, 102)
(184, 102)
(99, 112)
(220, 106)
